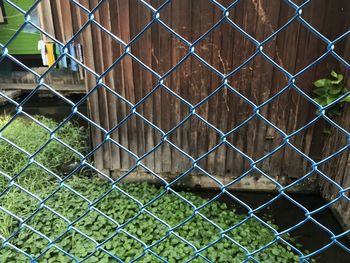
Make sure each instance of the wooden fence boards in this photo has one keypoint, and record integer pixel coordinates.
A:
(225, 49)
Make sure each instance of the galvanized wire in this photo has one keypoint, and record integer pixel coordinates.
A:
(252, 213)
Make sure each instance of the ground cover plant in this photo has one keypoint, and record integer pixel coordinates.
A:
(67, 222)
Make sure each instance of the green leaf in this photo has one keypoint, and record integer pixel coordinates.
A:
(322, 83)
(321, 100)
(346, 99)
(339, 77)
(334, 74)
(320, 91)
(335, 90)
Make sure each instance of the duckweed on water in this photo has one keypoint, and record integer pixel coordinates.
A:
(100, 225)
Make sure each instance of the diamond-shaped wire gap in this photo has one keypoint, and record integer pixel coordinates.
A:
(252, 79)
(162, 44)
(224, 251)
(306, 236)
(192, 80)
(10, 29)
(81, 184)
(13, 133)
(114, 202)
(153, 124)
(193, 135)
(127, 74)
(323, 20)
(170, 161)
(77, 245)
(306, 140)
(12, 169)
(342, 48)
(198, 231)
(298, 2)
(225, 163)
(173, 249)
(37, 180)
(225, 102)
(96, 226)
(140, 14)
(10, 223)
(114, 103)
(286, 166)
(47, 102)
(254, 137)
(9, 106)
(241, 202)
(8, 254)
(321, 70)
(224, 209)
(124, 247)
(48, 223)
(283, 48)
(124, 159)
(30, 242)
(204, 16)
(141, 176)
(260, 19)
(252, 234)
(73, 19)
(23, 209)
(225, 57)
(147, 228)
(61, 167)
(284, 212)
(11, 73)
(133, 128)
(67, 203)
(328, 216)
(178, 208)
(101, 39)
(337, 177)
(294, 111)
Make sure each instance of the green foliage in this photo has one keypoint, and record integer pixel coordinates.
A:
(31, 137)
(116, 207)
(329, 90)
(169, 207)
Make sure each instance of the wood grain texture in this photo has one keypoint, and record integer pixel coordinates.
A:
(225, 49)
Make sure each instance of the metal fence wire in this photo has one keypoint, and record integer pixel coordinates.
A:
(198, 251)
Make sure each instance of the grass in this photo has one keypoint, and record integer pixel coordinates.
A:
(66, 224)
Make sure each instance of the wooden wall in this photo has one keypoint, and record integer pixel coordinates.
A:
(225, 49)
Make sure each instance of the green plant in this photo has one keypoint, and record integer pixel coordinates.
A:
(120, 208)
(30, 137)
(112, 210)
(329, 90)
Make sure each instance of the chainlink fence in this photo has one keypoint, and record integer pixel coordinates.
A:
(19, 240)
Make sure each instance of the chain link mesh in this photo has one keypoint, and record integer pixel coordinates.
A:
(143, 207)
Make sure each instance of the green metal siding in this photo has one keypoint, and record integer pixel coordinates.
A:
(25, 43)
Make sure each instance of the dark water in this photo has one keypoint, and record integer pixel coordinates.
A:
(282, 212)
(285, 214)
